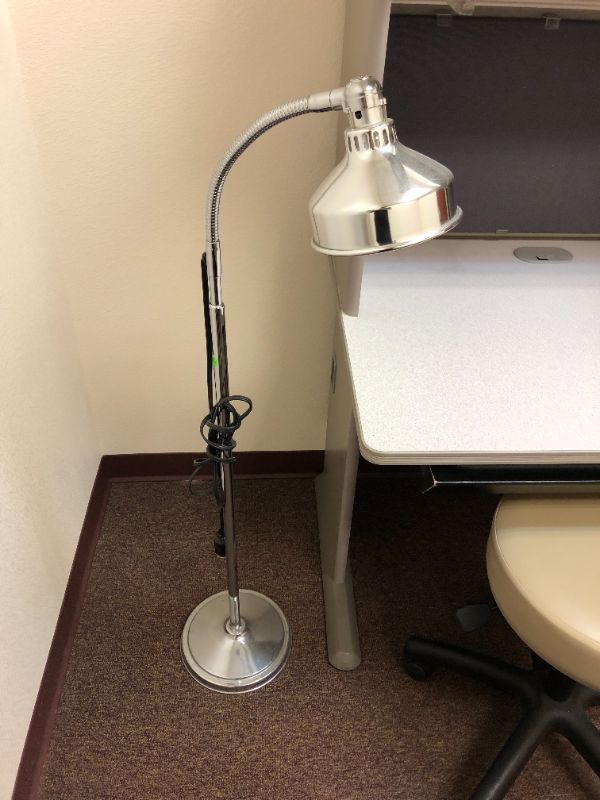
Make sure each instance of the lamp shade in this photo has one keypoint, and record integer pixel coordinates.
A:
(382, 195)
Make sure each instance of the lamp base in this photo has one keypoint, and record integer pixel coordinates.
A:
(226, 663)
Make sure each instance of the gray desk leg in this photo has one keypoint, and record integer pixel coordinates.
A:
(335, 499)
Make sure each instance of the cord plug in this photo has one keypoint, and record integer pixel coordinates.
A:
(219, 543)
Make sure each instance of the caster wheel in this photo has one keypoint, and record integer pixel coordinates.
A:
(418, 670)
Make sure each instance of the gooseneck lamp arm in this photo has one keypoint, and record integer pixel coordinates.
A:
(381, 196)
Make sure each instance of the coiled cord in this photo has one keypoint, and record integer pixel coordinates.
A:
(219, 437)
(219, 441)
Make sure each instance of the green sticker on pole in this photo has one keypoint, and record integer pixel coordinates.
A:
(215, 362)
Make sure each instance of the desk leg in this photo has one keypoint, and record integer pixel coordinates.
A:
(335, 499)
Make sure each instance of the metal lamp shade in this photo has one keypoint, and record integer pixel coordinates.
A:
(381, 196)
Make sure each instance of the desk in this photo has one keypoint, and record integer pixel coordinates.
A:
(460, 354)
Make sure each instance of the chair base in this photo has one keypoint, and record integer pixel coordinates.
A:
(552, 703)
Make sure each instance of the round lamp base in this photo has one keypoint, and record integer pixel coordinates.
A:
(227, 663)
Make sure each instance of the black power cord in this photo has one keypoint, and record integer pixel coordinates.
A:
(219, 440)
(217, 427)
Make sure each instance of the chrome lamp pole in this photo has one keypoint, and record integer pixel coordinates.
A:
(381, 196)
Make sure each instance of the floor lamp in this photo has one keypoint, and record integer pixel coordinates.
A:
(380, 197)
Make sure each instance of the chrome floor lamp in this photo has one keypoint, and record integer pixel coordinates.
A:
(381, 196)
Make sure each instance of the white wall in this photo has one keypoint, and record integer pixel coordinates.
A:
(48, 455)
(133, 103)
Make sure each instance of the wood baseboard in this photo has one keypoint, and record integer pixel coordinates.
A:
(29, 774)
(138, 466)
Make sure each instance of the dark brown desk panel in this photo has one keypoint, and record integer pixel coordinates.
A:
(513, 109)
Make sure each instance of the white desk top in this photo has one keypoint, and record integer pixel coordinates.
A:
(462, 354)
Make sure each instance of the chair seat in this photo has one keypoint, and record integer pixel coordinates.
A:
(543, 561)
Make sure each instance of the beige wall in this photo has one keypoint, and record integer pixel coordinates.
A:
(133, 103)
(113, 117)
(48, 455)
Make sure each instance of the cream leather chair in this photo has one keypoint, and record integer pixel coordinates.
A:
(543, 561)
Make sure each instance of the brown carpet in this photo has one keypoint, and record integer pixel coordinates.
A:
(133, 724)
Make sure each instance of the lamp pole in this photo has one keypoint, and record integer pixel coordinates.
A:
(216, 309)
(234, 641)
